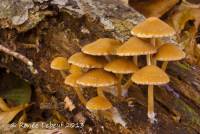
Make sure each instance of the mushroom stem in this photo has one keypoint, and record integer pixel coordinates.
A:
(63, 74)
(148, 59)
(128, 84)
(100, 92)
(153, 42)
(154, 62)
(118, 85)
(135, 60)
(107, 58)
(80, 95)
(164, 65)
(126, 87)
(151, 114)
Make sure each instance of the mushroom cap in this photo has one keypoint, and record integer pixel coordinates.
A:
(169, 52)
(71, 79)
(134, 47)
(75, 69)
(103, 46)
(97, 78)
(59, 63)
(150, 75)
(87, 61)
(152, 27)
(121, 66)
(98, 103)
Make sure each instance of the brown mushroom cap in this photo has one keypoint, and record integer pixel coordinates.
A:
(59, 63)
(97, 78)
(98, 103)
(71, 79)
(75, 69)
(121, 66)
(103, 46)
(152, 27)
(150, 75)
(169, 52)
(134, 47)
(87, 61)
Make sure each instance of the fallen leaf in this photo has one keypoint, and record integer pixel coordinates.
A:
(15, 90)
(3, 106)
(8, 116)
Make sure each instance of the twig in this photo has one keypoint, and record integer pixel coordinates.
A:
(19, 56)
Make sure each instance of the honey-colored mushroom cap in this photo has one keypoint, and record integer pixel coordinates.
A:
(98, 103)
(121, 66)
(97, 78)
(134, 47)
(75, 69)
(71, 79)
(103, 46)
(169, 52)
(87, 61)
(152, 27)
(59, 63)
(150, 75)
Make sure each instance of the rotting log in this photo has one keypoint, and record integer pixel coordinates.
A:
(54, 28)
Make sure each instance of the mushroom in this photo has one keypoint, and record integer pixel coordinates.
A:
(98, 104)
(169, 52)
(102, 47)
(75, 69)
(153, 28)
(150, 75)
(61, 64)
(135, 47)
(71, 81)
(121, 66)
(97, 78)
(87, 61)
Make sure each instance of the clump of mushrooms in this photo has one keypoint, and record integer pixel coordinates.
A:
(105, 70)
(103, 47)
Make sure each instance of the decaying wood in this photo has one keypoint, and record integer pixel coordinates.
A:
(62, 29)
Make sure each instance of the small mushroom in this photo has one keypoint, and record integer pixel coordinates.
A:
(75, 69)
(71, 81)
(102, 46)
(87, 61)
(169, 52)
(98, 104)
(61, 64)
(121, 66)
(153, 28)
(135, 47)
(97, 78)
(150, 75)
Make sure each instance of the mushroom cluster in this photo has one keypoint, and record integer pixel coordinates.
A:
(107, 63)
